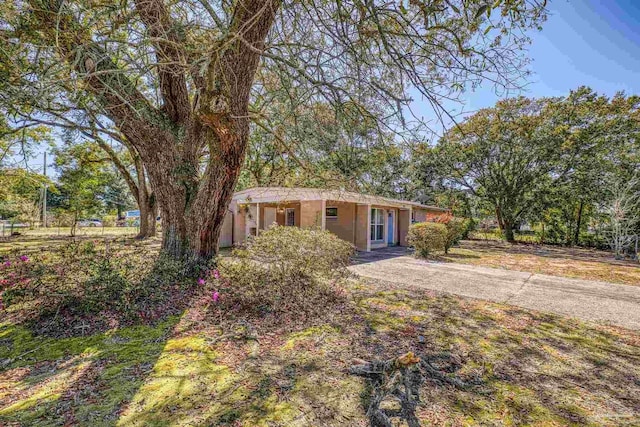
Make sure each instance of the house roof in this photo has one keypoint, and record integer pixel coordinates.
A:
(285, 194)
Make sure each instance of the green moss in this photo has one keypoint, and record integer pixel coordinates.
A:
(309, 333)
(109, 360)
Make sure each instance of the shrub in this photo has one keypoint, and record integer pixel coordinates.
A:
(456, 228)
(297, 252)
(470, 226)
(90, 279)
(427, 237)
(284, 269)
(591, 240)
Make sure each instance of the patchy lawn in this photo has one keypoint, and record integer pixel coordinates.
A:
(193, 364)
(581, 263)
(202, 369)
(38, 242)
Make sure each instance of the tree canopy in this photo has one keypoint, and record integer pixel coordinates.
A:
(525, 157)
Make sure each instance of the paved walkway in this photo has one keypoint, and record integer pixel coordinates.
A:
(584, 299)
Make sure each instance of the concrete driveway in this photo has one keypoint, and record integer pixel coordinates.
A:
(585, 299)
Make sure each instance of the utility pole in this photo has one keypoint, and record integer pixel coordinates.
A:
(44, 194)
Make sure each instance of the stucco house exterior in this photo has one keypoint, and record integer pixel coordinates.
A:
(369, 222)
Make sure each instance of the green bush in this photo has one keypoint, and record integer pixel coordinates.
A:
(285, 269)
(298, 252)
(427, 237)
(470, 225)
(109, 220)
(455, 230)
(591, 240)
(78, 279)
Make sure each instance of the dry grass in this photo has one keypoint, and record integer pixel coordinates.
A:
(206, 368)
(580, 263)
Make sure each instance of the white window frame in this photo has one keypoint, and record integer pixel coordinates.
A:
(286, 217)
(327, 216)
(377, 221)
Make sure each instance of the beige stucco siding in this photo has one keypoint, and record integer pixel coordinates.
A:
(226, 233)
(239, 224)
(311, 213)
(344, 225)
(422, 214)
(362, 227)
(419, 215)
(404, 220)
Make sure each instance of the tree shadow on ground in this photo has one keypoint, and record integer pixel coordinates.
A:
(80, 380)
(534, 367)
(82, 368)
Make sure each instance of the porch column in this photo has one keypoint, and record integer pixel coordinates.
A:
(323, 223)
(368, 228)
(257, 218)
(396, 231)
(404, 222)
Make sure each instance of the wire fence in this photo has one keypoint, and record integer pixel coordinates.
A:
(8, 229)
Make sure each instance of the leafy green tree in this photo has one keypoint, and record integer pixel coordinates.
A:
(598, 133)
(20, 187)
(20, 194)
(542, 160)
(88, 185)
(508, 155)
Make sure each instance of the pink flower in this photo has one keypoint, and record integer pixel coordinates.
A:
(7, 264)
(215, 296)
(201, 281)
(24, 258)
(216, 274)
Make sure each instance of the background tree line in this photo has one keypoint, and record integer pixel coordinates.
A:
(552, 162)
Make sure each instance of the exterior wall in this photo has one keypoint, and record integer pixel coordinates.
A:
(226, 234)
(239, 223)
(423, 215)
(251, 217)
(311, 213)
(352, 223)
(419, 215)
(404, 221)
(362, 227)
(344, 225)
(280, 213)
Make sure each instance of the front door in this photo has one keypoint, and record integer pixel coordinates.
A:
(269, 217)
(390, 228)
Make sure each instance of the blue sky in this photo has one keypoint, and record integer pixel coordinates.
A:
(584, 42)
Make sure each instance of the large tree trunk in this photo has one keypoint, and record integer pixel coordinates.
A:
(153, 215)
(508, 232)
(193, 212)
(506, 226)
(144, 219)
(173, 138)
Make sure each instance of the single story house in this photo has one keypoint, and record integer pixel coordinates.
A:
(369, 222)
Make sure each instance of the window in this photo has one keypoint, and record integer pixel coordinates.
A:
(290, 217)
(331, 213)
(377, 225)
